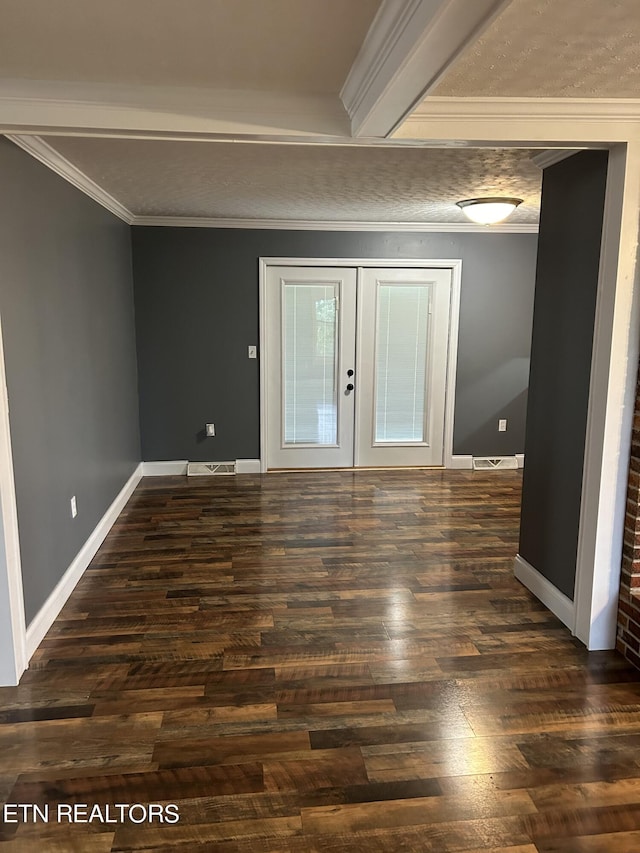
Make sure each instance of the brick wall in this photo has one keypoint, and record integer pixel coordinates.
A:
(628, 642)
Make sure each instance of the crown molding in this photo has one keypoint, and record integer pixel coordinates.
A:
(42, 151)
(334, 225)
(408, 49)
(612, 109)
(552, 156)
(528, 122)
(47, 155)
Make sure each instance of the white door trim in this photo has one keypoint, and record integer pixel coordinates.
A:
(614, 369)
(13, 631)
(454, 264)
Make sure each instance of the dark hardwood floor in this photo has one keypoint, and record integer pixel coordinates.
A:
(328, 662)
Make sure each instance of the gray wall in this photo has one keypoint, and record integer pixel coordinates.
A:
(197, 311)
(564, 313)
(66, 303)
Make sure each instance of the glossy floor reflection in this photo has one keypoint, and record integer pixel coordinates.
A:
(337, 661)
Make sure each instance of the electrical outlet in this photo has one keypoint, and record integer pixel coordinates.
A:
(253, 352)
(210, 429)
(502, 425)
(74, 507)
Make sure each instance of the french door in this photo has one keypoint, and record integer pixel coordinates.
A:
(357, 365)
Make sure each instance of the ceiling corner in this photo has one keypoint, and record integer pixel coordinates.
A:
(42, 151)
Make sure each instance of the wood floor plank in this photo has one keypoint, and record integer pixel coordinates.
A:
(442, 759)
(70, 841)
(194, 836)
(191, 782)
(350, 817)
(587, 794)
(328, 661)
(29, 745)
(616, 842)
(217, 750)
(331, 768)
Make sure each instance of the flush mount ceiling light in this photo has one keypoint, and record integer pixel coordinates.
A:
(488, 211)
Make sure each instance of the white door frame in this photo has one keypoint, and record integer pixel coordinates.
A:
(455, 265)
(13, 630)
(612, 391)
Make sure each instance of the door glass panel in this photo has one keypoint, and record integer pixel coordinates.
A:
(309, 348)
(401, 362)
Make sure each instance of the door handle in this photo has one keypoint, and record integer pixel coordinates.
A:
(349, 373)
(349, 387)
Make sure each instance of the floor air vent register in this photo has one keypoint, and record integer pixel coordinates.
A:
(490, 463)
(210, 469)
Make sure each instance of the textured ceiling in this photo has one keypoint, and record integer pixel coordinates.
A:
(555, 49)
(251, 181)
(284, 45)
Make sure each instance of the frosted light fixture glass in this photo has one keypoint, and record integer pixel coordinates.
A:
(488, 211)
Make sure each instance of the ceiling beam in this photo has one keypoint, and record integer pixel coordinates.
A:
(35, 106)
(408, 49)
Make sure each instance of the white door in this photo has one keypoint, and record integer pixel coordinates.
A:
(403, 319)
(310, 323)
(349, 386)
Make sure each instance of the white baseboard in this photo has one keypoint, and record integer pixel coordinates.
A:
(49, 611)
(164, 469)
(460, 462)
(520, 460)
(545, 591)
(248, 466)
